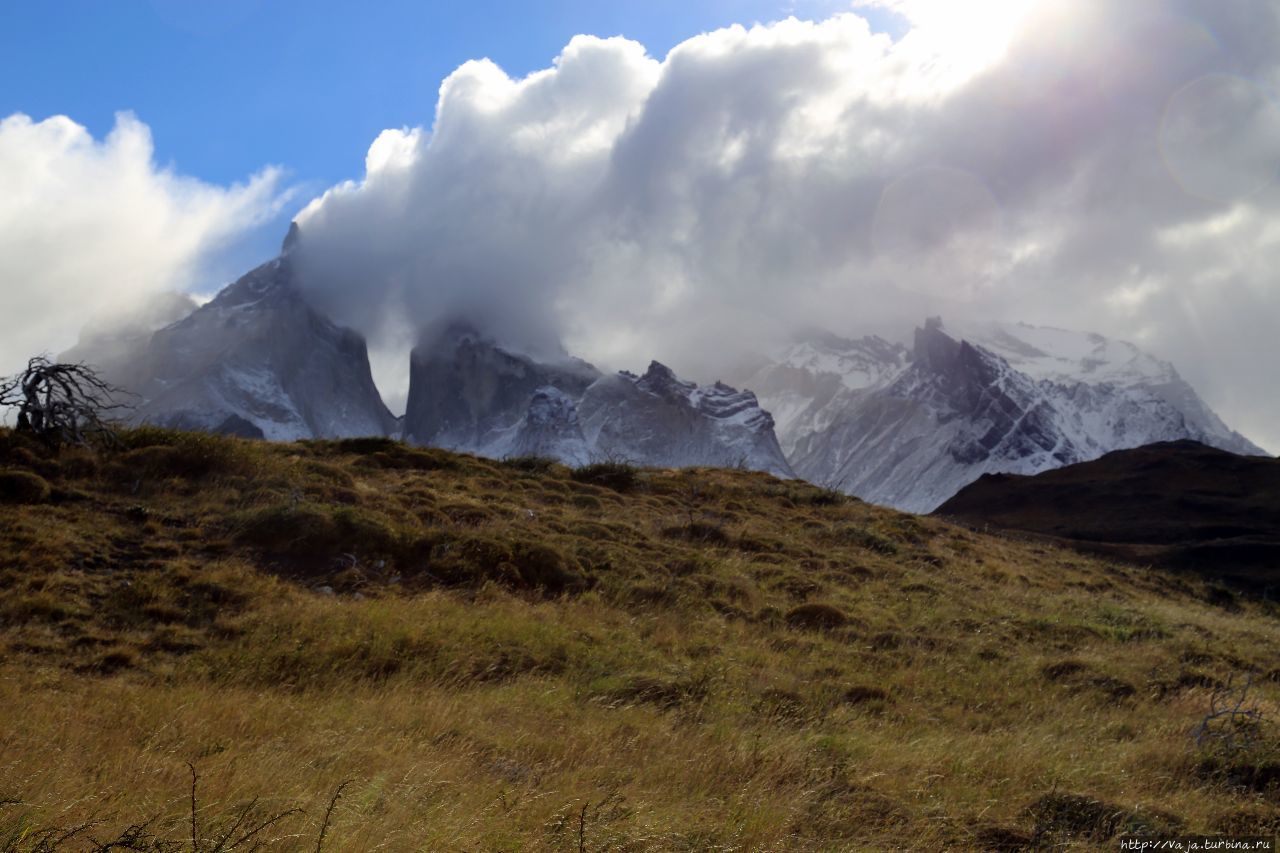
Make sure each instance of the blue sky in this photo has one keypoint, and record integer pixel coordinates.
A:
(231, 86)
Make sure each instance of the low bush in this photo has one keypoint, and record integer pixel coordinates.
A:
(185, 455)
(531, 464)
(472, 560)
(1075, 816)
(23, 487)
(816, 616)
(619, 476)
(308, 532)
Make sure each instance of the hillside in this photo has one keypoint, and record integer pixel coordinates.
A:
(1179, 504)
(520, 656)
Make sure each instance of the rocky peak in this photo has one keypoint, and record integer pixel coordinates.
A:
(934, 349)
(291, 239)
(662, 381)
(464, 388)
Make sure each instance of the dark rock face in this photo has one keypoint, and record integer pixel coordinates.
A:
(1182, 504)
(467, 393)
(257, 361)
(961, 382)
(464, 390)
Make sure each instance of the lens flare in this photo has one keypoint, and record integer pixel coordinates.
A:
(1220, 138)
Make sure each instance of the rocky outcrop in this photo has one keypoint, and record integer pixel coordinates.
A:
(259, 361)
(470, 394)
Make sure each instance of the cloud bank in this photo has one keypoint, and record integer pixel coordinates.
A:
(1089, 164)
(90, 229)
(1082, 163)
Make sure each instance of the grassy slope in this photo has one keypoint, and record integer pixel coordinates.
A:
(503, 657)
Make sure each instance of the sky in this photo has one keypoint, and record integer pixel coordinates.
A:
(683, 180)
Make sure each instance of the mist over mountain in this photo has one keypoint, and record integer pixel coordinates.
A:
(1089, 165)
(904, 427)
(1103, 166)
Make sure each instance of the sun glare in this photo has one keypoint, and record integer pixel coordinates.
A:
(970, 35)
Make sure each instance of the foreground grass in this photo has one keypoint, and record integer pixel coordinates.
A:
(513, 656)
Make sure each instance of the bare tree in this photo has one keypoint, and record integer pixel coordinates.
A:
(63, 403)
(1231, 724)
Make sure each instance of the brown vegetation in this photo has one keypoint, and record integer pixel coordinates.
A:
(512, 655)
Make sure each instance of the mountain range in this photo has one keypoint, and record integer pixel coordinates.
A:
(908, 427)
(902, 426)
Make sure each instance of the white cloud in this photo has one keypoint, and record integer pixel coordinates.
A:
(1102, 165)
(91, 228)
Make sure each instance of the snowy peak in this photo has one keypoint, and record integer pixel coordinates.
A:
(257, 361)
(853, 363)
(657, 419)
(988, 398)
(1065, 356)
(717, 401)
(469, 393)
(661, 381)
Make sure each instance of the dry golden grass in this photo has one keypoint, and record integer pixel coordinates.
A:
(513, 656)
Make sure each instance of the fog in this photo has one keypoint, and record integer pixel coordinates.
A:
(1104, 166)
(91, 229)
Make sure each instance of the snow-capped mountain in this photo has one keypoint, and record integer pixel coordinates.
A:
(468, 393)
(908, 429)
(256, 361)
(816, 377)
(657, 419)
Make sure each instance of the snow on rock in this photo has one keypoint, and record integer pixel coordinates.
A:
(257, 360)
(470, 394)
(657, 419)
(1006, 398)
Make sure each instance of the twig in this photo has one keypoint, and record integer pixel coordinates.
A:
(328, 813)
(195, 845)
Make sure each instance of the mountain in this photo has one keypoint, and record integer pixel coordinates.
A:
(256, 361)
(468, 393)
(908, 428)
(111, 345)
(818, 376)
(1182, 504)
(1073, 359)
(657, 419)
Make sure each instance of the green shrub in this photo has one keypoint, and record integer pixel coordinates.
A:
(23, 487)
